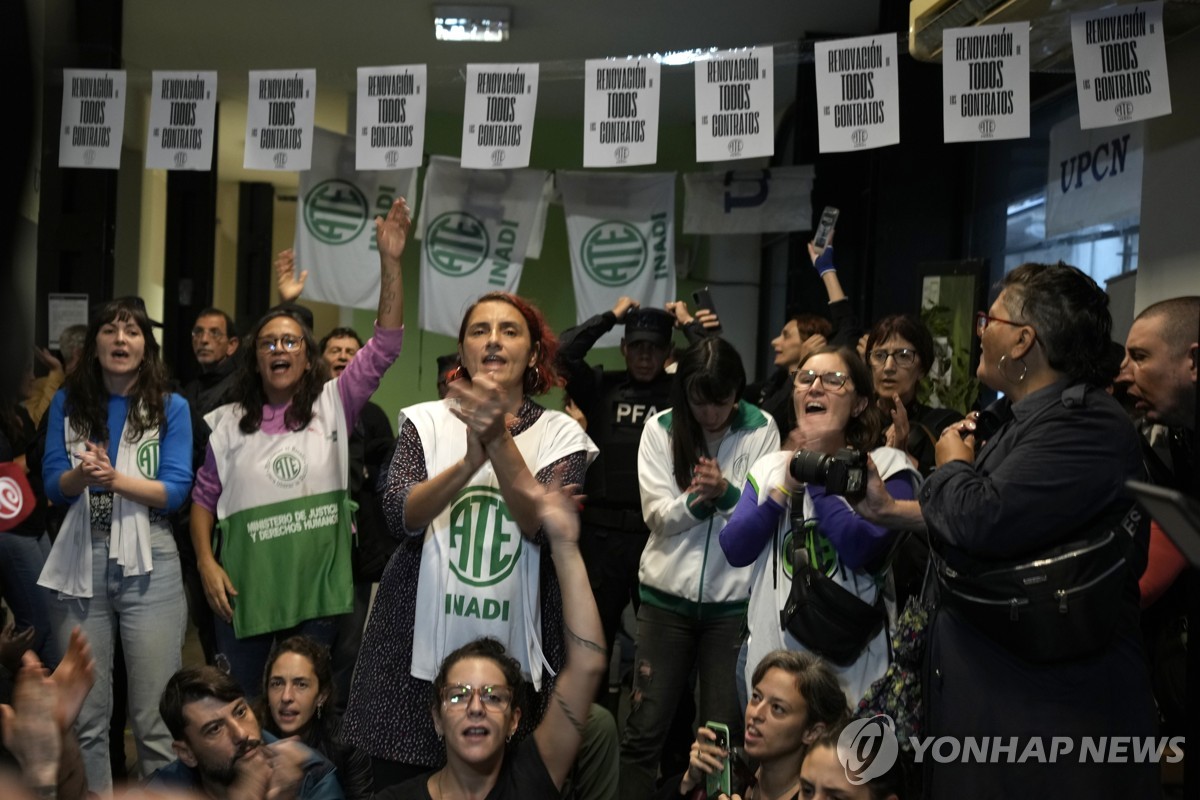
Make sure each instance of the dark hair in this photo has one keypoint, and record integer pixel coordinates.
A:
(810, 325)
(87, 397)
(1069, 311)
(1179, 315)
(814, 680)
(189, 685)
(541, 376)
(248, 390)
(906, 326)
(862, 431)
(338, 333)
(710, 370)
(211, 311)
(321, 730)
(488, 648)
(892, 782)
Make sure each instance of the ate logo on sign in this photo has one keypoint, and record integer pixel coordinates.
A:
(614, 253)
(288, 468)
(485, 542)
(458, 244)
(335, 211)
(147, 459)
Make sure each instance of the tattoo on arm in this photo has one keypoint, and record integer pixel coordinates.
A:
(579, 640)
(566, 709)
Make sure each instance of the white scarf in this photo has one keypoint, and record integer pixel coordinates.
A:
(68, 568)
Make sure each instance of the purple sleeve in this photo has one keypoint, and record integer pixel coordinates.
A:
(857, 541)
(360, 378)
(750, 527)
(207, 490)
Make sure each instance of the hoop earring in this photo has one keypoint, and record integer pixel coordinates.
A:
(1006, 376)
(532, 379)
(455, 374)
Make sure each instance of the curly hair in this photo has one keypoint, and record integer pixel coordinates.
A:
(248, 389)
(863, 432)
(322, 729)
(540, 377)
(1069, 312)
(87, 396)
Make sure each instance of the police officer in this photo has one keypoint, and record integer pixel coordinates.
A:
(617, 405)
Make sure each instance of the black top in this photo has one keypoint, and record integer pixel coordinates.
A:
(523, 775)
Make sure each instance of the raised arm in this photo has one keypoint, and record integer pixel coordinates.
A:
(391, 235)
(561, 730)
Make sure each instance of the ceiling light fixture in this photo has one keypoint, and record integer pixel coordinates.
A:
(471, 23)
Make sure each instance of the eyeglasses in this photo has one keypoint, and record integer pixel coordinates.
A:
(212, 333)
(830, 380)
(904, 357)
(492, 698)
(288, 342)
(983, 319)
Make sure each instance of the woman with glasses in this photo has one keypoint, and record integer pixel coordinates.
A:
(479, 695)
(273, 482)
(1049, 480)
(118, 451)
(900, 353)
(691, 462)
(778, 516)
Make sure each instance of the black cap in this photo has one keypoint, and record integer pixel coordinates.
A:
(648, 325)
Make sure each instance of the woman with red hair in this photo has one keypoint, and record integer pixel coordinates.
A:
(472, 561)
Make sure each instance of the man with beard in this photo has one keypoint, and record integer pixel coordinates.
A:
(225, 755)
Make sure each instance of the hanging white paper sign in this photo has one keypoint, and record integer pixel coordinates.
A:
(279, 119)
(858, 97)
(735, 105)
(1120, 65)
(183, 113)
(498, 115)
(985, 82)
(620, 112)
(391, 117)
(93, 118)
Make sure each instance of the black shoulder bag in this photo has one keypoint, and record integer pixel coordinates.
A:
(821, 614)
(1058, 605)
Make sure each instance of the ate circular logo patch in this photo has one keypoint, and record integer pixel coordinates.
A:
(485, 542)
(457, 243)
(614, 253)
(147, 459)
(335, 212)
(288, 468)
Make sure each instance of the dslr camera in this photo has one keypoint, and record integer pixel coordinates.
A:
(844, 472)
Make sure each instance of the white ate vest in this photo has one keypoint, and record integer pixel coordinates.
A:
(772, 580)
(284, 517)
(479, 575)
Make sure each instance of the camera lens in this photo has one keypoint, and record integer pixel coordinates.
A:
(810, 467)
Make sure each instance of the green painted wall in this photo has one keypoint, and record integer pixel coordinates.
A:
(557, 144)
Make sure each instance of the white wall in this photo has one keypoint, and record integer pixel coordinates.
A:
(1169, 261)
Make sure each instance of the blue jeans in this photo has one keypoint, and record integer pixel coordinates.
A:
(669, 645)
(150, 613)
(245, 659)
(21, 561)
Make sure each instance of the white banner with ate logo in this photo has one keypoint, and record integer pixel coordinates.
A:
(621, 230)
(335, 222)
(476, 227)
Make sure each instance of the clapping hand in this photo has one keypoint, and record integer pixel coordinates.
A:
(707, 481)
(97, 470)
(479, 404)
